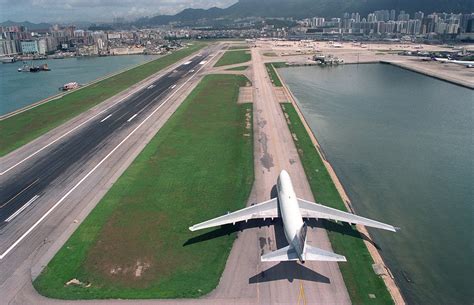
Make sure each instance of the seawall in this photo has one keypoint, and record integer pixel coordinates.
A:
(418, 69)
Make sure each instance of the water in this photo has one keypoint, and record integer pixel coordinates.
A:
(402, 145)
(18, 90)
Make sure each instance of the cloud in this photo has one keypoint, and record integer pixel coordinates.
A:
(96, 10)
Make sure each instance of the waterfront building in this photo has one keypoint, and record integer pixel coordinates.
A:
(29, 46)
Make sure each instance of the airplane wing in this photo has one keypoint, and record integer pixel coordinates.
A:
(266, 209)
(288, 253)
(313, 210)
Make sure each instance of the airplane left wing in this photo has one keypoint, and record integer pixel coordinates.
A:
(313, 210)
(266, 209)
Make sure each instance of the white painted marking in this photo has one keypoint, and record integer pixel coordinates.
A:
(73, 129)
(30, 185)
(133, 116)
(187, 63)
(12, 246)
(103, 120)
(151, 86)
(172, 87)
(203, 62)
(22, 208)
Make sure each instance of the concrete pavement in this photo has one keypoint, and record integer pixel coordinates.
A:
(245, 279)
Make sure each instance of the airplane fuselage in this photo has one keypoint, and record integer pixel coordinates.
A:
(293, 225)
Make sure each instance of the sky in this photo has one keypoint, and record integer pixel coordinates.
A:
(64, 11)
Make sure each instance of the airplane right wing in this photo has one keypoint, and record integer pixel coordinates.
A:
(313, 210)
(266, 209)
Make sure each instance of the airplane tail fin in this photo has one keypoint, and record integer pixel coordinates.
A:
(288, 253)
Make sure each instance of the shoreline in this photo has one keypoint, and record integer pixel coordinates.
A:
(62, 94)
(418, 70)
(389, 280)
(404, 65)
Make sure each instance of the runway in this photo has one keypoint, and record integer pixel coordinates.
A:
(56, 176)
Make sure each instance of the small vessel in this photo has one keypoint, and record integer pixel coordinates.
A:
(69, 86)
(32, 68)
(24, 68)
(8, 59)
(44, 67)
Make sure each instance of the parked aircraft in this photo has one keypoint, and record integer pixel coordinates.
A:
(292, 210)
(466, 63)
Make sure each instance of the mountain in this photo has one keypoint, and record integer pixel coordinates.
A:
(27, 24)
(309, 8)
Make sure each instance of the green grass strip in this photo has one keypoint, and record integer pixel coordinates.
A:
(241, 68)
(233, 57)
(272, 73)
(357, 272)
(198, 166)
(20, 129)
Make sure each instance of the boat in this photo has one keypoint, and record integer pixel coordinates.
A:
(24, 68)
(44, 67)
(69, 86)
(8, 60)
(32, 68)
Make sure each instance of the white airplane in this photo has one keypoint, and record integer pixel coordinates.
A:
(292, 210)
(466, 63)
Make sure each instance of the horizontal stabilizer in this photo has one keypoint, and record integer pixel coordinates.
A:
(313, 210)
(316, 254)
(287, 253)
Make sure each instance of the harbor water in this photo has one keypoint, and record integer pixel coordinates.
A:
(402, 145)
(20, 89)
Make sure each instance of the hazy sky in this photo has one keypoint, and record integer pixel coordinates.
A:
(96, 10)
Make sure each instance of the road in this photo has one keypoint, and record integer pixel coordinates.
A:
(57, 179)
(285, 282)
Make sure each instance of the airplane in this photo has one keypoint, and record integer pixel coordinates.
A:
(292, 210)
(466, 63)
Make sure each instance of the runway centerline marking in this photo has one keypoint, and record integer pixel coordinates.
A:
(12, 246)
(30, 185)
(22, 208)
(73, 129)
(104, 119)
(301, 295)
(133, 116)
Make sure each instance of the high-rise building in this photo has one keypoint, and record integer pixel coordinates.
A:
(419, 15)
(392, 15)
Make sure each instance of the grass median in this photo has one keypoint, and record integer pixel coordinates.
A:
(26, 126)
(136, 242)
(272, 73)
(357, 272)
(233, 57)
(241, 68)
